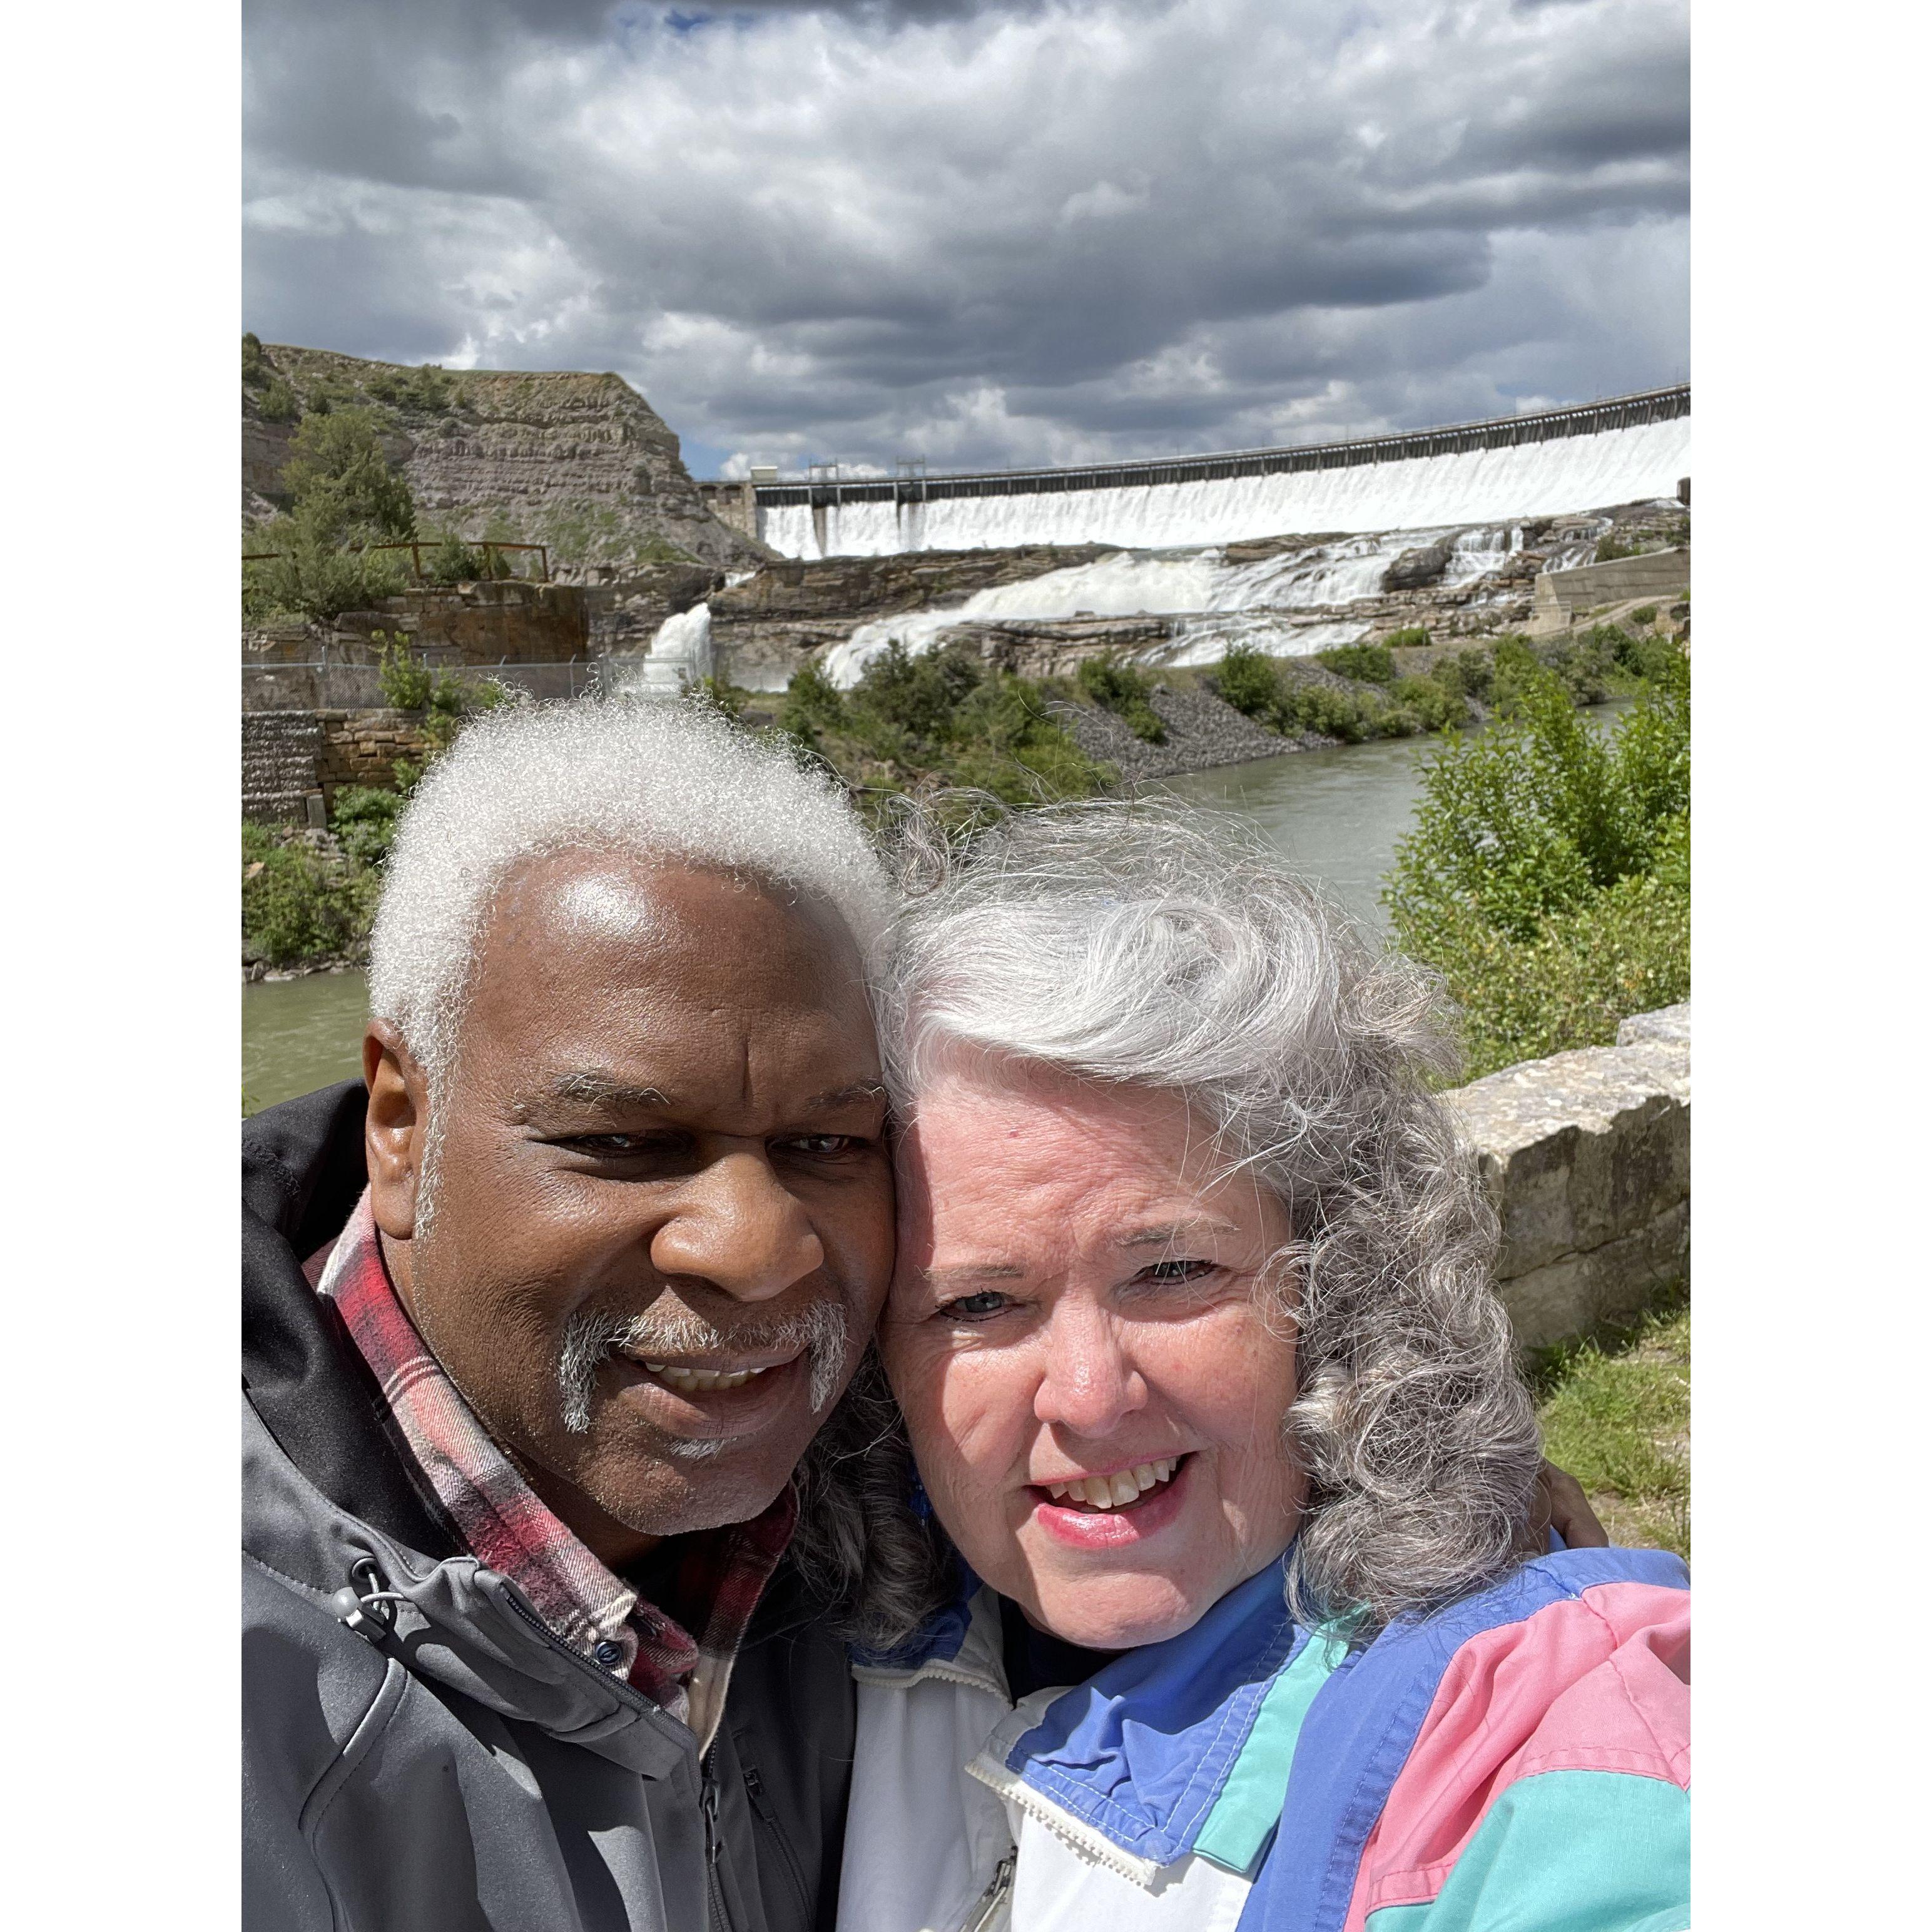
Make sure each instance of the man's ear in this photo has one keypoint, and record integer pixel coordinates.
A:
(395, 1128)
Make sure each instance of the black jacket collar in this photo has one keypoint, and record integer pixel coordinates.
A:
(302, 1171)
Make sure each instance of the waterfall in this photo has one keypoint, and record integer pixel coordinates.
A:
(678, 655)
(1476, 486)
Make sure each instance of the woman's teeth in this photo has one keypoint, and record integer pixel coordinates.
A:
(672, 1376)
(1111, 1491)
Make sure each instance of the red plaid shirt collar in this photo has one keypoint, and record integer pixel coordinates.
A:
(512, 1532)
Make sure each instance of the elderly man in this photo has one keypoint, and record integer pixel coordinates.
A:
(537, 1326)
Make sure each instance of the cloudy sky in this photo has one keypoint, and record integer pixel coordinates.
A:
(984, 232)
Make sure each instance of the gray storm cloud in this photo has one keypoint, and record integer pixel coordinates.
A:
(986, 235)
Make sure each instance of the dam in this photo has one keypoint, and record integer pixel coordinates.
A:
(1622, 449)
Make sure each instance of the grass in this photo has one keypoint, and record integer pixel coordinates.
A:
(1615, 1409)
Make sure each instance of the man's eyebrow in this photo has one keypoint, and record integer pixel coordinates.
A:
(590, 1089)
(849, 1096)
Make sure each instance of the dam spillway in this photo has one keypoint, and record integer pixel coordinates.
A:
(1624, 449)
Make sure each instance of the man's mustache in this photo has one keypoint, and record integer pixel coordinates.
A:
(820, 1330)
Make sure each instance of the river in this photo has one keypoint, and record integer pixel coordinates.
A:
(1335, 813)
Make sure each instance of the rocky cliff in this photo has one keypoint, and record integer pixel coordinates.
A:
(580, 462)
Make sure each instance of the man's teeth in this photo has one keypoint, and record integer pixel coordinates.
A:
(674, 1376)
(1111, 1491)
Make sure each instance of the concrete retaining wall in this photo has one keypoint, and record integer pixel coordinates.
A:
(1587, 1156)
(1561, 594)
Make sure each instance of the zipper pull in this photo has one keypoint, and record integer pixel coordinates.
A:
(707, 1802)
(993, 1898)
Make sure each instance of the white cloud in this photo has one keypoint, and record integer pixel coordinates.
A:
(1053, 234)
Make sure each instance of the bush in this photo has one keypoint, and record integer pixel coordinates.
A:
(813, 704)
(1644, 615)
(1610, 548)
(1409, 634)
(941, 719)
(1250, 680)
(1548, 875)
(278, 403)
(1369, 662)
(1116, 686)
(310, 576)
(254, 363)
(338, 472)
(365, 821)
(1329, 710)
(1437, 703)
(299, 904)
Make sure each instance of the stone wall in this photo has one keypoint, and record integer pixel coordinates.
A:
(475, 624)
(293, 761)
(281, 752)
(1587, 1156)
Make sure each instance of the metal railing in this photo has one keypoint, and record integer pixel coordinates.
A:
(489, 546)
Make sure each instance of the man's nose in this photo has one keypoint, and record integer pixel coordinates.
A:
(1089, 1381)
(737, 1227)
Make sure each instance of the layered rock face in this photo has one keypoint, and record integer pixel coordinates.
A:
(580, 462)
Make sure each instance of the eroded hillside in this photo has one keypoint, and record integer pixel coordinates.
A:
(580, 462)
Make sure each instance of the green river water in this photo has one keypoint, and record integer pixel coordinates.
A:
(1336, 815)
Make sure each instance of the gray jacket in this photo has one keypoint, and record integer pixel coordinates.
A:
(420, 1753)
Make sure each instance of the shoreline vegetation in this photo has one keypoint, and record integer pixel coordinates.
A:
(1547, 878)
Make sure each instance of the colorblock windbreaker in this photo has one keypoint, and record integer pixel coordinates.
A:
(1518, 1761)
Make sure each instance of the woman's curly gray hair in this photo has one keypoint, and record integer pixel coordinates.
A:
(1170, 949)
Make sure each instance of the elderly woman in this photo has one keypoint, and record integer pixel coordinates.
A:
(1214, 1599)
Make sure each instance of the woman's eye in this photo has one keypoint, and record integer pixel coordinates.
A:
(1176, 1271)
(975, 1307)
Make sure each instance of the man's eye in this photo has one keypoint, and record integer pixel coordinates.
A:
(615, 1144)
(979, 1307)
(823, 1144)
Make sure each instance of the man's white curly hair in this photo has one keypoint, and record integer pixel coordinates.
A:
(655, 780)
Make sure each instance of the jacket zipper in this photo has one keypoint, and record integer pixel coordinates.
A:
(716, 1917)
(754, 1789)
(994, 1896)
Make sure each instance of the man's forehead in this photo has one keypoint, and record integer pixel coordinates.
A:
(594, 901)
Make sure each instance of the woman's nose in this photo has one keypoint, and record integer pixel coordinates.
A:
(738, 1227)
(1090, 1381)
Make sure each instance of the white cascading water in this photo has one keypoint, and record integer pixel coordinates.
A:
(1565, 473)
(680, 654)
(1211, 603)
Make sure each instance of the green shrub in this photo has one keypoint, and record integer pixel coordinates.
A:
(1328, 708)
(309, 576)
(1250, 680)
(299, 904)
(1117, 686)
(939, 719)
(1547, 877)
(1645, 613)
(1369, 662)
(364, 822)
(339, 473)
(255, 364)
(1409, 634)
(278, 403)
(1610, 548)
(813, 704)
(1436, 701)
